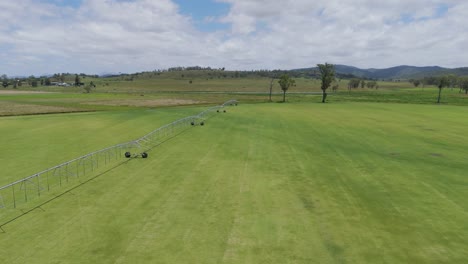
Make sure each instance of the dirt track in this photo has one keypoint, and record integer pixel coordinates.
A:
(145, 102)
(21, 92)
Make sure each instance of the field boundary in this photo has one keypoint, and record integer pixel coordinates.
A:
(80, 169)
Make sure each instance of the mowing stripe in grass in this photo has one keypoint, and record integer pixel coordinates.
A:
(276, 183)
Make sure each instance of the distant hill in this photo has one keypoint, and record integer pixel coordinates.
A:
(403, 72)
(398, 72)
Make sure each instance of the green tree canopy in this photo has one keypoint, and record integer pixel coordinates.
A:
(327, 75)
(77, 80)
(416, 83)
(285, 82)
(442, 82)
(354, 83)
(463, 83)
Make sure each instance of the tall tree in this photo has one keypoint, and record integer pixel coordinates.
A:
(463, 82)
(354, 83)
(442, 82)
(327, 75)
(285, 82)
(4, 80)
(416, 83)
(452, 80)
(271, 86)
(371, 84)
(77, 80)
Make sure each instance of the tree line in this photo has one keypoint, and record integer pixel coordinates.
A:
(56, 79)
(211, 72)
(326, 73)
(362, 83)
(449, 81)
(444, 81)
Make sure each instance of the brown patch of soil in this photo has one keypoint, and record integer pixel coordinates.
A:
(13, 109)
(145, 102)
(9, 92)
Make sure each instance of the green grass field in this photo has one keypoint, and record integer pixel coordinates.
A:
(147, 95)
(173, 88)
(264, 183)
(42, 141)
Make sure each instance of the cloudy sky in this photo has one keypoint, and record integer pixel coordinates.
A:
(100, 36)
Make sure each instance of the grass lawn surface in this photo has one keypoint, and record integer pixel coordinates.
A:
(264, 183)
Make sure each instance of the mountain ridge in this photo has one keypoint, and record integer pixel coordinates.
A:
(396, 72)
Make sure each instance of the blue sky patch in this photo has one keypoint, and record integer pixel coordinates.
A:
(204, 13)
(439, 12)
(69, 3)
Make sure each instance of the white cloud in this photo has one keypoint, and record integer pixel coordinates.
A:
(119, 36)
(362, 33)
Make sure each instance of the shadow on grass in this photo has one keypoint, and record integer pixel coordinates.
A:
(58, 196)
(83, 183)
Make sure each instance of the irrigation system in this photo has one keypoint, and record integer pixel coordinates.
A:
(78, 170)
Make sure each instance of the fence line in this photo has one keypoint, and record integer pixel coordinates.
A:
(81, 168)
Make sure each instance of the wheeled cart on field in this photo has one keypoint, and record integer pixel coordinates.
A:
(128, 155)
